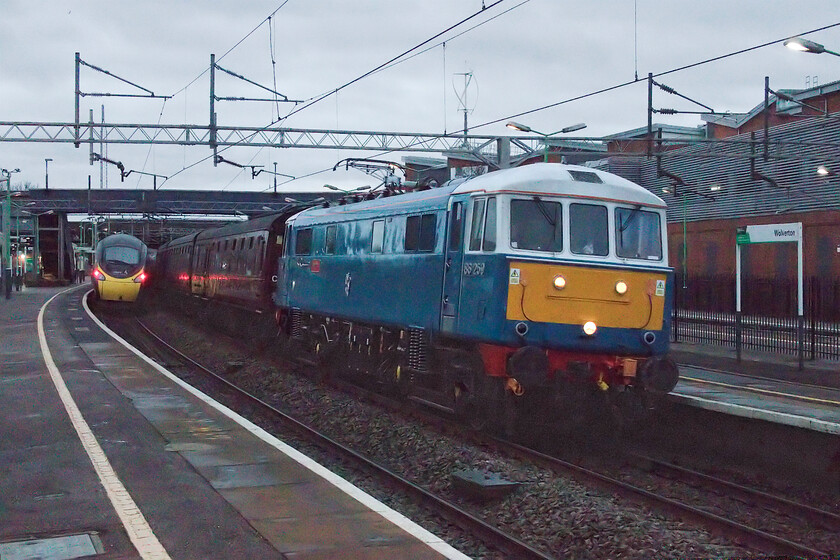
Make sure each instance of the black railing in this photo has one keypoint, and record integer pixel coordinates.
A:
(704, 312)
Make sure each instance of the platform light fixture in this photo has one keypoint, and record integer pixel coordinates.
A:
(525, 128)
(804, 45)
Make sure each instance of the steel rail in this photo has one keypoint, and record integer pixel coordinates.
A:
(510, 544)
(790, 506)
(759, 538)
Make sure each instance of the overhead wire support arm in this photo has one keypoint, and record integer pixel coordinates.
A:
(252, 99)
(96, 157)
(106, 72)
(787, 97)
(754, 173)
(254, 168)
(672, 91)
(155, 176)
(284, 99)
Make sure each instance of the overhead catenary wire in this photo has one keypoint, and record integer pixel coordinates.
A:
(656, 75)
(227, 52)
(312, 102)
(384, 64)
(537, 109)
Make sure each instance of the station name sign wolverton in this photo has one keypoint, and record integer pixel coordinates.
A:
(772, 233)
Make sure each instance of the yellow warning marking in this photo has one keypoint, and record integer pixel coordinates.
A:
(135, 524)
(762, 391)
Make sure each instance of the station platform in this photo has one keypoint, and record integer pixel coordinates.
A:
(104, 454)
(760, 385)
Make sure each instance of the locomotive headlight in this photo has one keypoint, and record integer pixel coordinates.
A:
(589, 328)
(621, 287)
(559, 282)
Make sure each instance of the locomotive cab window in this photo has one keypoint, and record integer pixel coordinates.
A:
(536, 225)
(483, 225)
(588, 229)
(456, 226)
(303, 242)
(638, 234)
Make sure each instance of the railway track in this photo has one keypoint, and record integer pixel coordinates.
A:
(700, 513)
(487, 533)
(756, 537)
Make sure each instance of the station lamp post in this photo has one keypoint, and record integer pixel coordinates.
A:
(7, 241)
(525, 128)
(804, 45)
(47, 173)
(36, 250)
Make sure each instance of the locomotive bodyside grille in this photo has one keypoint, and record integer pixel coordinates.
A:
(296, 317)
(417, 349)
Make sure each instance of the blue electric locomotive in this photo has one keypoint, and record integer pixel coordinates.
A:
(546, 284)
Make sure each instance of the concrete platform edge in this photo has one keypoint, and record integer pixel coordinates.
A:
(366, 499)
(758, 414)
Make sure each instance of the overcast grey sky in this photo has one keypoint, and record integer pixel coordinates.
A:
(538, 53)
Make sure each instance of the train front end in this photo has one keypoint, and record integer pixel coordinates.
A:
(576, 292)
(119, 270)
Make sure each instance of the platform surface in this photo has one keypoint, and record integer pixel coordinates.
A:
(207, 483)
(760, 386)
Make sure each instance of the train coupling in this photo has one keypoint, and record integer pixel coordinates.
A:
(515, 387)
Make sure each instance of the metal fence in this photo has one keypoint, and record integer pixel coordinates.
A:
(704, 312)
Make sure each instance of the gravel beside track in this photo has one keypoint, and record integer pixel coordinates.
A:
(550, 512)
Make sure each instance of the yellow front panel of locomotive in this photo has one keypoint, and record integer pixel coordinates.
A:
(568, 294)
(119, 290)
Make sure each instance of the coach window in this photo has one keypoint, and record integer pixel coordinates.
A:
(477, 224)
(303, 242)
(588, 227)
(329, 241)
(377, 237)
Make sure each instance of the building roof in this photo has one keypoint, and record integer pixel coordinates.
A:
(669, 131)
(737, 120)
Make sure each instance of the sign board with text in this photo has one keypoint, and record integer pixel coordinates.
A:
(773, 233)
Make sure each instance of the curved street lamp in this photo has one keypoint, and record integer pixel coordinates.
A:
(7, 241)
(525, 128)
(804, 45)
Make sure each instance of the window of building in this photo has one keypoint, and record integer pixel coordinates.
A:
(377, 237)
(588, 229)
